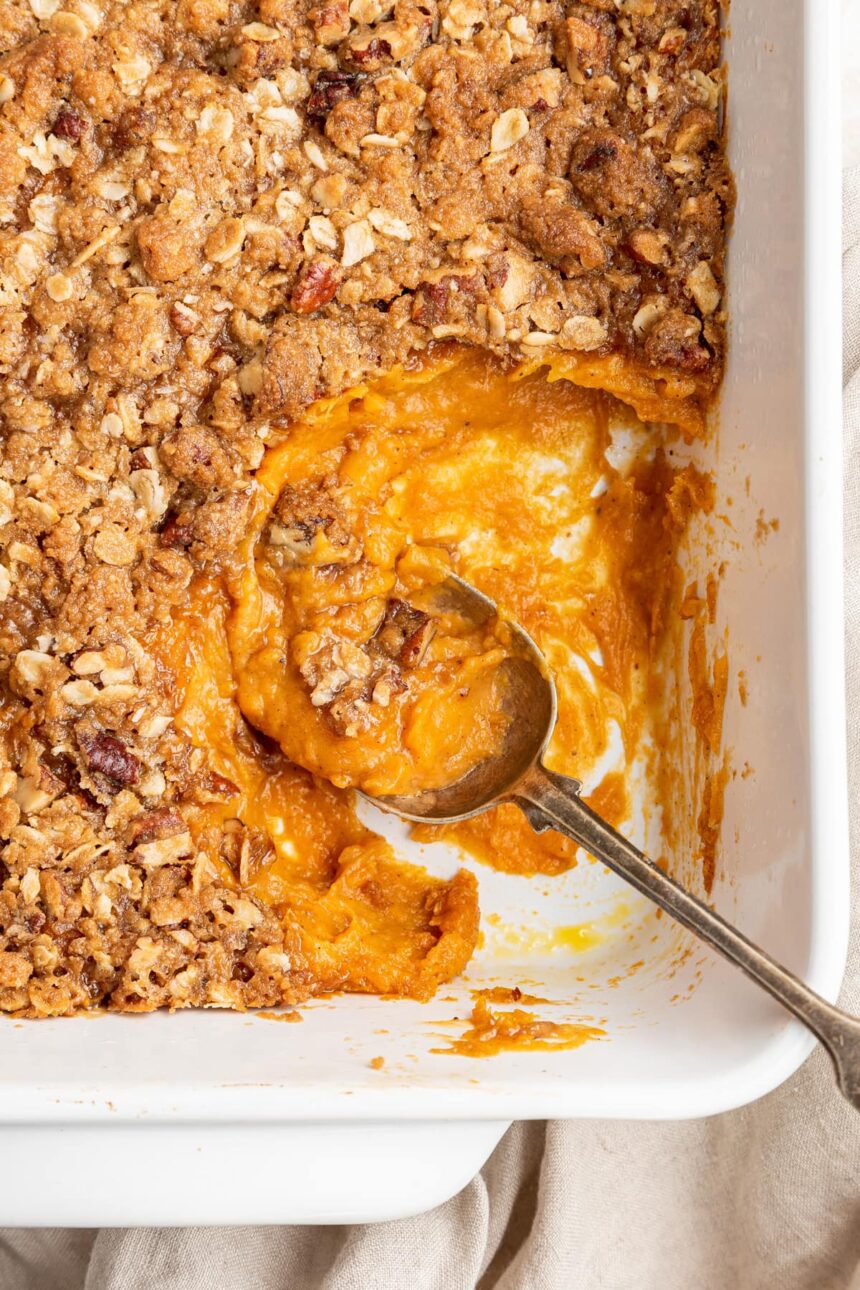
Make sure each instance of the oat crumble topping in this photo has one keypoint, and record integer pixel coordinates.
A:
(213, 212)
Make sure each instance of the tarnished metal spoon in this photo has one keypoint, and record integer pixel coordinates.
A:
(550, 801)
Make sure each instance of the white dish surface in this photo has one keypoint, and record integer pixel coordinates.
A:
(232, 1093)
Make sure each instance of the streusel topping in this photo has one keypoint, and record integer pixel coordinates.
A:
(213, 212)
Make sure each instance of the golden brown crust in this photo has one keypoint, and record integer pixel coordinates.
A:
(211, 213)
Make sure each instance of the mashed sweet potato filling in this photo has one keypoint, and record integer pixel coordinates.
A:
(317, 646)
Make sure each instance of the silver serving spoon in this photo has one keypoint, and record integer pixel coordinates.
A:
(550, 801)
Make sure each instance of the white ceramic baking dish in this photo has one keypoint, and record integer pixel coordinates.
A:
(221, 1118)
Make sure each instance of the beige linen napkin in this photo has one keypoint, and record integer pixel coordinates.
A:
(765, 1198)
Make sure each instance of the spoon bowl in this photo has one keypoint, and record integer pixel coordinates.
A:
(530, 703)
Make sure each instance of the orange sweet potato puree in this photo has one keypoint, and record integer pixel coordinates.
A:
(362, 920)
(456, 465)
(398, 728)
(493, 1031)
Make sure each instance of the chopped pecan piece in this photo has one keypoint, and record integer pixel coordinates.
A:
(177, 531)
(588, 38)
(317, 284)
(69, 124)
(152, 826)
(336, 665)
(674, 341)
(212, 787)
(36, 791)
(245, 850)
(404, 634)
(371, 55)
(389, 684)
(183, 320)
(330, 21)
(257, 60)
(331, 88)
(416, 645)
(433, 300)
(106, 755)
(300, 514)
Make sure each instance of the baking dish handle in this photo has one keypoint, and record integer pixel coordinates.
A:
(553, 801)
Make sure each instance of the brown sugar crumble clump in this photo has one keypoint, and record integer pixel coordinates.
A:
(213, 212)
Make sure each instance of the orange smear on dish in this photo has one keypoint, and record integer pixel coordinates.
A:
(492, 1032)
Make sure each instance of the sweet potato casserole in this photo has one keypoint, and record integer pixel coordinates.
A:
(302, 306)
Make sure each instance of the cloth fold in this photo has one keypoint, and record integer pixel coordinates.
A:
(762, 1198)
